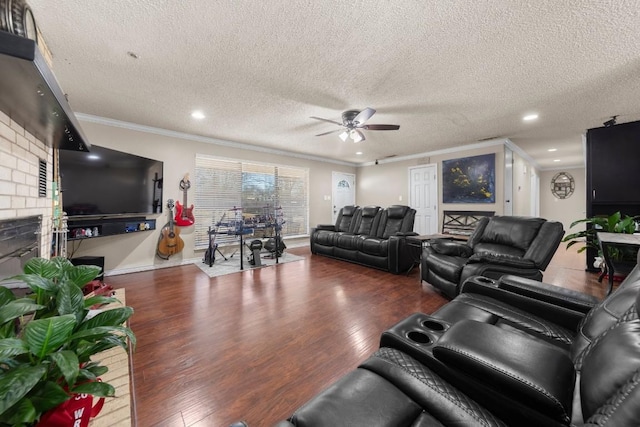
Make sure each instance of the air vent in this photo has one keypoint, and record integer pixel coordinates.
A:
(42, 178)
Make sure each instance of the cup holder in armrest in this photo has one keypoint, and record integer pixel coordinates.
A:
(483, 279)
(418, 337)
(433, 325)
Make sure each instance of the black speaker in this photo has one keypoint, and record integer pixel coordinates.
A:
(90, 260)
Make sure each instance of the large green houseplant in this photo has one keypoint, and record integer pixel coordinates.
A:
(47, 340)
(614, 223)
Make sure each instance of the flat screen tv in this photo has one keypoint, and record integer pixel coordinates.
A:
(105, 182)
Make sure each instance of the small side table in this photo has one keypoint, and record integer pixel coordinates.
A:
(617, 240)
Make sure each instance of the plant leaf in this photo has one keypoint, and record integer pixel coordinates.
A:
(21, 413)
(80, 275)
(96, 388)
(36, 282)
(6, 296)
(15, 384)
(68, 363)
(101, 331)
(46, 335)
(70, 300)
(114, 317)
(47, 396)
(42, 267)
(10, 347)
(99, 299)
(15, 309)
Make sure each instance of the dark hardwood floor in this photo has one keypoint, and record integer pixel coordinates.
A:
(255, 345)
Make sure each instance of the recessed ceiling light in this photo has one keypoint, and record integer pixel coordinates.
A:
(197, 115)
(530, 117)
(551, 150)
(93, 157)
(359, 153)
(556, 160)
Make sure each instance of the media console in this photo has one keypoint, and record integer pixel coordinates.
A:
(80, 228)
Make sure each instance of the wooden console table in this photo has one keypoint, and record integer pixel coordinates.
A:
(617, 240)
(117, 410)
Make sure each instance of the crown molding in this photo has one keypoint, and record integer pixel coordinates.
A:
(561, 169)
(483, 144)
(205, 139)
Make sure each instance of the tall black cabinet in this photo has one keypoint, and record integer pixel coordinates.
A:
(613, 172)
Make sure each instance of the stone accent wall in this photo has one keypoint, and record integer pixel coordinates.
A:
(20, 154)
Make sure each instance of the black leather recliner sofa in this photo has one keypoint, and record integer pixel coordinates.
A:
(370, 236)
(507, 352)
(521, 246)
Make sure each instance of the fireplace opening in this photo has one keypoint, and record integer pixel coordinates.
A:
(19, 242)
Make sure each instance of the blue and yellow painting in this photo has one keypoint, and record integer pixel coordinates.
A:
(469, 179)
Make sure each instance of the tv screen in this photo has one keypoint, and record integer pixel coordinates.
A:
(109, 182)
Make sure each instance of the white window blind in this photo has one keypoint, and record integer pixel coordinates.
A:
(222, 185)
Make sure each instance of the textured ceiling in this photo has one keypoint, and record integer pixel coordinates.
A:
(449, 72)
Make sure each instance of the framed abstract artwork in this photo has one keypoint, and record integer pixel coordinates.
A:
(469, 179)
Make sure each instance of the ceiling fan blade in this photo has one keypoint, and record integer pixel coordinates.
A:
(326, 120)
(363, 116)
(380, 127)
(331, 131)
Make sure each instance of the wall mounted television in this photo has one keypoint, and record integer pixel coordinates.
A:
(105, 182)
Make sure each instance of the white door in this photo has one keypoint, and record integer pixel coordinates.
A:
(535, 194)
(343, 191)
(423, 197)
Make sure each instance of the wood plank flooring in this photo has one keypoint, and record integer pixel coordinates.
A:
(257, 344)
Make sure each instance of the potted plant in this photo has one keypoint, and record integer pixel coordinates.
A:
(613, 223)
(48, 337)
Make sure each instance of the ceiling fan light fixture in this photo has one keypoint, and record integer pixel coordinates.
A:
(356, 136)
(344, 135)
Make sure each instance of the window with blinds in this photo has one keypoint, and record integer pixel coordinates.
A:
(223, 186)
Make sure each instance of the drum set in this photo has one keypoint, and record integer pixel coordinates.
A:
(235, 222)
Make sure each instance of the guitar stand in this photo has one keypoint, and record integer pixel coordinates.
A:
(210, 254)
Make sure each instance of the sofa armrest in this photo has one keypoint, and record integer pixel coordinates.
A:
(450, 247)
(406, 233)
(547, 292)
(542, 299)
(519, 367)
(498, 259)
(329, 227)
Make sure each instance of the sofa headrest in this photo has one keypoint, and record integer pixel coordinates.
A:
(397, 211)
(515, 231)
(349, 210)
(370, 211)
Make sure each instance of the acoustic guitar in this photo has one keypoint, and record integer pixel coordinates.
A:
(184, 214)
(170, 242)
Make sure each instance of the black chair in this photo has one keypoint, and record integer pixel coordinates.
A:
(520, 246)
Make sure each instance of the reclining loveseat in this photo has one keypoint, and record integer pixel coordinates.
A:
(521, 246)
(370, 236)
(506, 352)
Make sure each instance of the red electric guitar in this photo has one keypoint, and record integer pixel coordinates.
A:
(184, 214)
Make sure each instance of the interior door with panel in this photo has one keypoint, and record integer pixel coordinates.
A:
(343, 192)
(423, 197)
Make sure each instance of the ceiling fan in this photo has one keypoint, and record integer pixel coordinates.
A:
(354, 122)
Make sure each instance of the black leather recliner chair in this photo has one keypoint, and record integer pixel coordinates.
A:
(499, 245)
(369, 236)
(493, 371)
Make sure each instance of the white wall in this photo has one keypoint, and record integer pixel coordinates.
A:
(564, 210)
(387, 183)
(136, 251)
